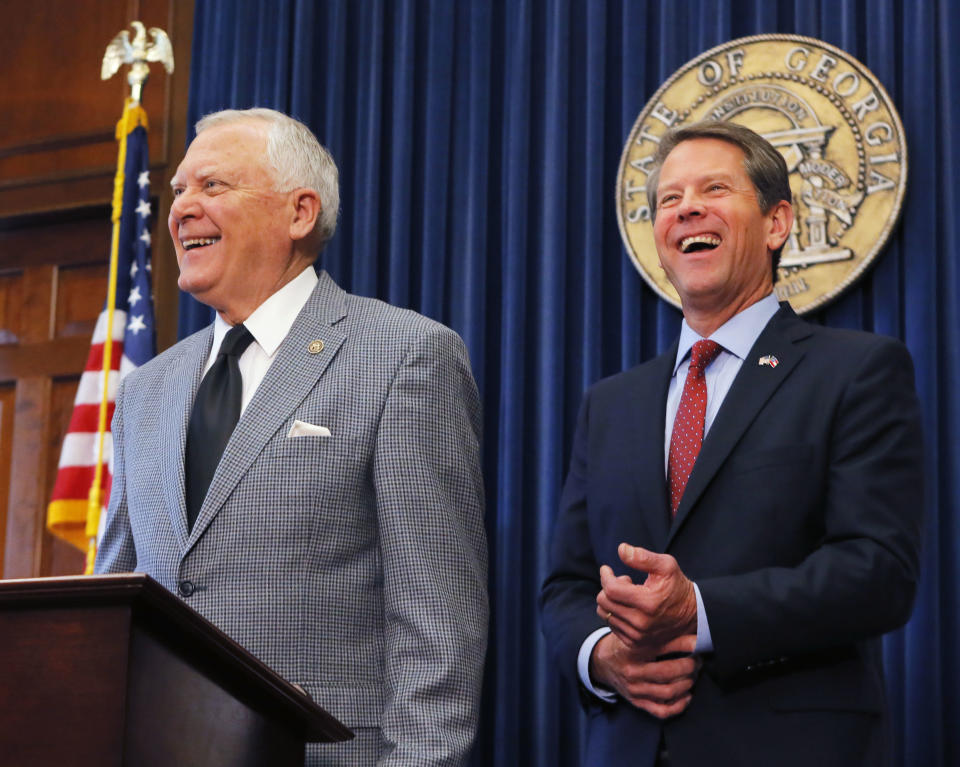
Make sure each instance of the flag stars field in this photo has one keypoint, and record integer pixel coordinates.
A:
(136, 324)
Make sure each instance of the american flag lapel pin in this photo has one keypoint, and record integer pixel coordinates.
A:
(768, 359)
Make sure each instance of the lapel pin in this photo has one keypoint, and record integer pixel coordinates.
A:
(315, 347)
(768, 359)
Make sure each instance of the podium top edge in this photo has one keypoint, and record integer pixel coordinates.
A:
(155, 606)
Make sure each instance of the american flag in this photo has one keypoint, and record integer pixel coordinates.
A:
(134, 342)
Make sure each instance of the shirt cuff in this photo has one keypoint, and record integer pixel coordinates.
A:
(704, 640)
(583, 665)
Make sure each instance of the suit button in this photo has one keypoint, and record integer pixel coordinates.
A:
(186, 588)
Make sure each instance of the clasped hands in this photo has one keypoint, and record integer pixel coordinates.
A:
(647, 620)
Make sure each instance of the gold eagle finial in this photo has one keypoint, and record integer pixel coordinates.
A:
(137, 53)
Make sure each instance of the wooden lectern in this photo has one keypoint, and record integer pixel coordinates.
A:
(114, 670)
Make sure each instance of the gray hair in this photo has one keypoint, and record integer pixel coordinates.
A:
(296, 158)
(764, 165)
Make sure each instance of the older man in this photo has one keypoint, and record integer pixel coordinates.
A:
(741, 519)
(336, 530)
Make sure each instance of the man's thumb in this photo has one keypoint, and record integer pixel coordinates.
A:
(645, 560)
(634, 556)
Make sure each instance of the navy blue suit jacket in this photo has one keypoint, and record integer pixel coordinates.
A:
(800, 524)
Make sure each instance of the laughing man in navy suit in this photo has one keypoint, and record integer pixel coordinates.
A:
(732, 544)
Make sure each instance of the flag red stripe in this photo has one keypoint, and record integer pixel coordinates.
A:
(75, 482)
(95, 358)
(87, 418)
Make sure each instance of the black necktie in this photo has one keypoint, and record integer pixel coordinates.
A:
(216, 411)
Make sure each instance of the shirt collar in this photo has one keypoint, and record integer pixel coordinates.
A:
(737, 335)
(271, 321)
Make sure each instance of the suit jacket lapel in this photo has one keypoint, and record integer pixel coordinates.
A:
(177, 395)
(751, 389)
(291, 377)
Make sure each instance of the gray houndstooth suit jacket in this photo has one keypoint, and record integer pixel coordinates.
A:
(355, 564)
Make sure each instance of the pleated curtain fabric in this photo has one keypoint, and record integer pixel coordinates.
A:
(478, 143)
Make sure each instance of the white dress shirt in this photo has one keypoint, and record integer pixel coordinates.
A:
(736, 337)
(269, 325)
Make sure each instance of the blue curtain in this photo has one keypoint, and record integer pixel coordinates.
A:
(478, 143)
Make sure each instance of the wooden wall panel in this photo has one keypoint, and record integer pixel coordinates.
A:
(57, 163)
(57, 557)
(7, 397)
(28, 479)
(28, 469)
(57, 142)
(10, 305)
(78, 236)
(79, 299)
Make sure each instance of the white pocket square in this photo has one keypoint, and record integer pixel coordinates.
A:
(304, 429)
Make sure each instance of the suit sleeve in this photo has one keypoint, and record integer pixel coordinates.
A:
(860, 580)
(568, 599)
(116, 552)
(429, 495)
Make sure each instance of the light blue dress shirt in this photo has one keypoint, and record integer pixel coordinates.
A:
(737, 336)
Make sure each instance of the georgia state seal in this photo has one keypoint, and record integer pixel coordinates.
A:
(835, 126)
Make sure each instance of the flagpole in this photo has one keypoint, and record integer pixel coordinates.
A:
(136, 53)
(133, 116)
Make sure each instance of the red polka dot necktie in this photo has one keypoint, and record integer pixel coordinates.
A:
(688, 426)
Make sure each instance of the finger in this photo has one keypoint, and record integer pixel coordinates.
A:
(661, 710)
(622, 625)
(629, 623)
(637, 667)
(615, 606)
(603, 612)
(606, 605)
(629, 634)
(621, 590)
(607, 575)
(685, 643)
(661, 672)
(660, 693)
(642, 559)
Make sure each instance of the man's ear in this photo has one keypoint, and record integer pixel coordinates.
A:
(781, 222)
(305, 208)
